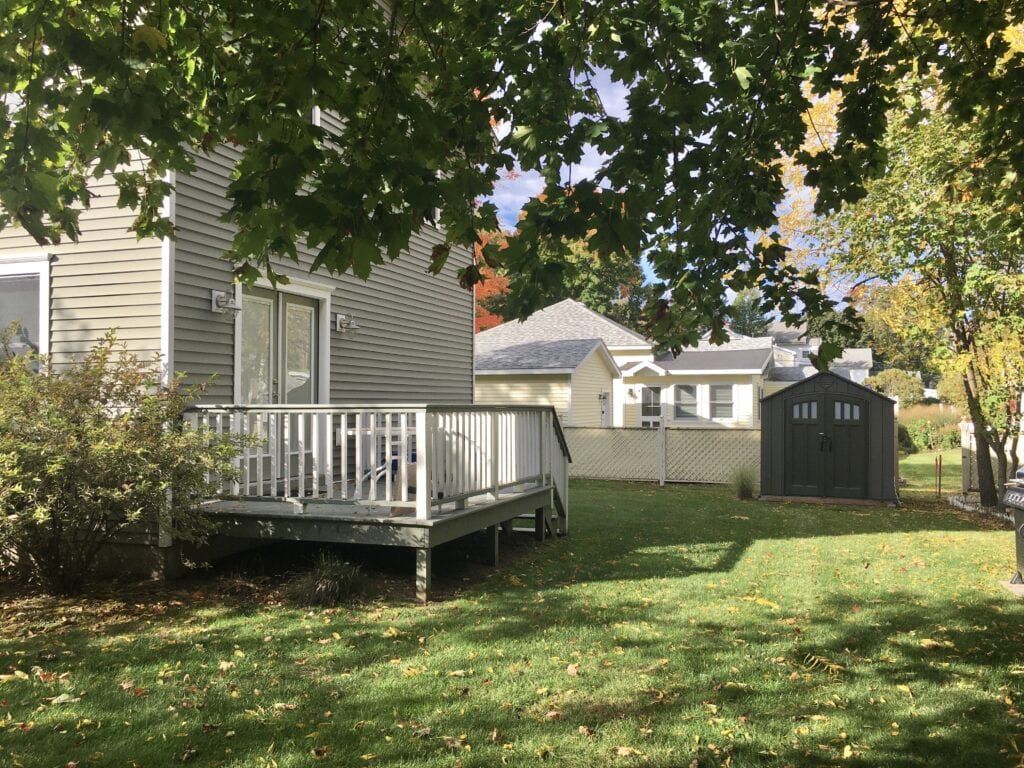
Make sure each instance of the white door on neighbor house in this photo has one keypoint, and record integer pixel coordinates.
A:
(650, 406)
(279, 348)
(606, 410)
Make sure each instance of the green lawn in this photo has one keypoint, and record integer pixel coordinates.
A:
(674, 627)
(918, 469)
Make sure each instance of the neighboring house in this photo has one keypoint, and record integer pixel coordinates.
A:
(565, 355)
(542, 360)
(552, 358)
(708, 386)
(575, 376)
(792, 359)
(176, 299)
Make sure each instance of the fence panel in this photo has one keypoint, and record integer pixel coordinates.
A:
(613, 454)
(711, 455)
(678, 455)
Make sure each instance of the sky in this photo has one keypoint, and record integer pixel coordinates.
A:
(511, 193)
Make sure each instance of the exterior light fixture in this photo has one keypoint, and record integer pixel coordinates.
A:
(345, 323)
(222, 302)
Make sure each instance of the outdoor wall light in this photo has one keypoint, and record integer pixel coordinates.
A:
(222, 302)
(345, 323)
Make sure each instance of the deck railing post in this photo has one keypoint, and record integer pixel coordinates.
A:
(495, 455)
(424, 462)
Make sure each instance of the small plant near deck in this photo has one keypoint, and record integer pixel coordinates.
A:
(92, 452)
(743, 483)
(330, 582)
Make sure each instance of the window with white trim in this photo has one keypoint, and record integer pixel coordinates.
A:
(685, 401)
(25, 302)
(720, 401)
(650, 406)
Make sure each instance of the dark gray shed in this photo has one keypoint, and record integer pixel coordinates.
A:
(829, 437)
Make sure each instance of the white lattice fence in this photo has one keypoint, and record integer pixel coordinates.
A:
(686, 456)
(710, 455)
(613, 454)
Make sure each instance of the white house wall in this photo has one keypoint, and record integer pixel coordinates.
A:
(526, 389)
(744, 391)
(591, 378)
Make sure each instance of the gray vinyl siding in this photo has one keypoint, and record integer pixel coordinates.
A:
(415, 337)
(109, 279)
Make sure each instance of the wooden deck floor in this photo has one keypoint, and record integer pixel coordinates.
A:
(336, 521)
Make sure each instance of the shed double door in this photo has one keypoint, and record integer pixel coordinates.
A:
(826, 446)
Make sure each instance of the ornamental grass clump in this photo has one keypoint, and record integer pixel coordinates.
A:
(330, 582)
(90, 451)
(743, 483)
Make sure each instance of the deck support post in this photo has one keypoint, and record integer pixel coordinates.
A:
(423, 574)
(492, 538)
(539, 524)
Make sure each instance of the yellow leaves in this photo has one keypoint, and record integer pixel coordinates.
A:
(627, 752)
(905, 689)
(412, 671)
(224, 666)
(573, 669)
(391, 632)
(16, 675)
(847, 752)
(762, 601)
(239, 653)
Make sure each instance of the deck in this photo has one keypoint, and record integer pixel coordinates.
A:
(407, 476)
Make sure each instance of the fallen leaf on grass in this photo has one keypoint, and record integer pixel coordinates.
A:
(553, 714)
(572, 669)
(627, 752)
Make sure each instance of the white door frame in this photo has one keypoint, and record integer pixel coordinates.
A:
(298, 287)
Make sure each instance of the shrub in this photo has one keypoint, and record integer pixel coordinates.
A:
(896, 383)
(905, 442)
(743, 483)
(88, 451)
(330, 582)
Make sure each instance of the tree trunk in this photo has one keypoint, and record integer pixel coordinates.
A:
(982, 448)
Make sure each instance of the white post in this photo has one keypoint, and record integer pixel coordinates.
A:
(662, 447)
(495, 455)
(424, 460)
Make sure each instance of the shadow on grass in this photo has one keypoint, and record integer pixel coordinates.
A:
(681, 684)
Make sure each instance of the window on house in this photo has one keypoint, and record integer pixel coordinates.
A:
(721, 401)
(24, 304)
(686, 401)
(650, 407)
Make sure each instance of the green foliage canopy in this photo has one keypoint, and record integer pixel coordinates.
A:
(746, 315)
(715, 95)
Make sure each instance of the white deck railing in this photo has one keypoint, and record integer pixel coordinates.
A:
(421, 457)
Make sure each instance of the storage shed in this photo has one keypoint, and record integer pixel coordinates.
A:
(831, 438)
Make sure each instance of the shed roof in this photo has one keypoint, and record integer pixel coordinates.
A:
(568, 319)
(563, 355)
(832, 375)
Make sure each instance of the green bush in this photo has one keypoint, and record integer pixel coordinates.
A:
(90, 450)
(905, 442)
(898, 384)
(743, 483)
(331, 581)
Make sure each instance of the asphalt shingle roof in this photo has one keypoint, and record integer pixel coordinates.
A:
(717, 359)
(562, 354)
(568, 319)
